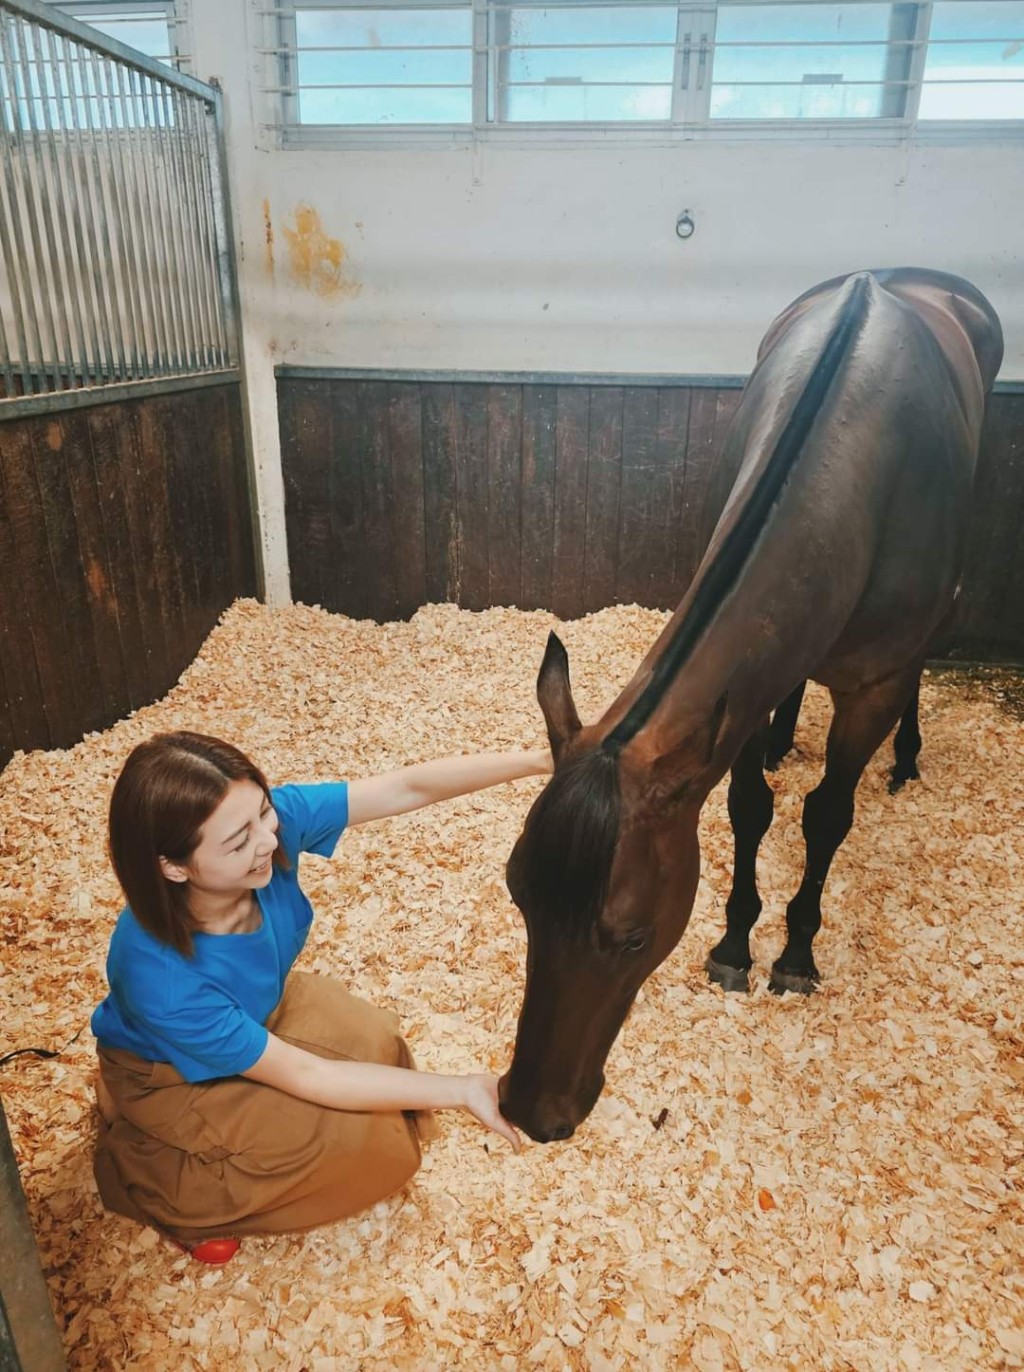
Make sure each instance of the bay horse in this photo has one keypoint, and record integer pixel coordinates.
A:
(837, 555)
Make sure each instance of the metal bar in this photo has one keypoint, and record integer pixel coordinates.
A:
(22, 260)
(238, 352)
(149, 213)
(110, 259)
(212, 230)
(190, 152)
(62, 350)
(225, 241)
(107, 393)
(82, 304)
(68, 292)
(7, 254)
(198, 114)
(180, 232)
(124, 230)
(6, 370)
(172, 270)
(153, 348)
(97, 240)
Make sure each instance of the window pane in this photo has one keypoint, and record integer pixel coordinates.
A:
(386, 105)
(379, 65)
(978, 49)
(146, 32)
(839, 75)
(584, 63)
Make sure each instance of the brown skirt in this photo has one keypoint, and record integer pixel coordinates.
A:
(229, 1157)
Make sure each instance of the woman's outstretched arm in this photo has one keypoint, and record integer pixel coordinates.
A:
(410, 788)
(369, 1086)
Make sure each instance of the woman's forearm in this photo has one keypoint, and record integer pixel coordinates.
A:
(368, 1086)
(410, 788)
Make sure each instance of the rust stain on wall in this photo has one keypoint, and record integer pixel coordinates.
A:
(316, 260)
(54, 437)
(268, 234)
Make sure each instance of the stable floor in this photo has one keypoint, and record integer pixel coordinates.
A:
(835, 1183)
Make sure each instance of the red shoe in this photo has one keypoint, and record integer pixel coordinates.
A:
(214, 1252)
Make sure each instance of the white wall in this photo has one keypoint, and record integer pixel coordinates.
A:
(564, 258)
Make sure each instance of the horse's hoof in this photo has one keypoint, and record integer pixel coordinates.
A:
(897, 780)
(728, 978)
(772, 761)
(781, 982)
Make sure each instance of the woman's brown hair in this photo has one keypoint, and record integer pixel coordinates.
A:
(168, 788)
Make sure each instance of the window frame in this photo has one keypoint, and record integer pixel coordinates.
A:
(179, 59)
(690, 119)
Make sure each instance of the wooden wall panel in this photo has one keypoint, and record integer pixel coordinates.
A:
(561, 496)
(125, 531)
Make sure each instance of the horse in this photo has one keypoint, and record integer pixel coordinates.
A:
(837, 556)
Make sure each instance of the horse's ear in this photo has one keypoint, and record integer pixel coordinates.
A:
(555, 696)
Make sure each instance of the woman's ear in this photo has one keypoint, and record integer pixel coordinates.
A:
(173, 871)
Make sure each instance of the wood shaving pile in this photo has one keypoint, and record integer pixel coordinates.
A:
(836, 1182)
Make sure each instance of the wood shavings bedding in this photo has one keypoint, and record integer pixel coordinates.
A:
(834, 1182)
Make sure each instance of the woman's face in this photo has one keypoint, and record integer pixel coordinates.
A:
(236, 847)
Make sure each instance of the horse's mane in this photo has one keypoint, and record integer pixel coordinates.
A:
(722, 573)
(562, 864)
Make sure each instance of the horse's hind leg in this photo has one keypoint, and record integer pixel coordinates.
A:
(783, 728)
(906, 746)
(860, 724)
(751, 804)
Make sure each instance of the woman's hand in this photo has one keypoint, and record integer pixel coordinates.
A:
(481, 1100)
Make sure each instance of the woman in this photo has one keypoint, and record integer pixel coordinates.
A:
(236, 1098)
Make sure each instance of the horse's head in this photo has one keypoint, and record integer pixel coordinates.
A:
(605, 873)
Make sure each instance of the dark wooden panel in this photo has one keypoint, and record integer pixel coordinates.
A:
(38, 583)
(572, 423)
(128, 530)
(440, 494)
(72, 609)
(95, 562)
(26, 725)
(583, 495)
(989, 623)
(149, 542)
(378, 489)
(537, 509)
(604, 477)
(504, 493)
(639, 493)
(405, 441)
(669, 492)
(307, 461)
(473, 494)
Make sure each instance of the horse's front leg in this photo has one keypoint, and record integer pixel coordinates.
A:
(751, 805)
(860, 724)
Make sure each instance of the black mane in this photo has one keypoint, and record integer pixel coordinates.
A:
(560, 869)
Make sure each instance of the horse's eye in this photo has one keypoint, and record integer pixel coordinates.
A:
(636, 943)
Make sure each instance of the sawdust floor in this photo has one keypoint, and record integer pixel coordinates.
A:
(836, 1183)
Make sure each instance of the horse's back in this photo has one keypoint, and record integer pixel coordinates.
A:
(871, 521)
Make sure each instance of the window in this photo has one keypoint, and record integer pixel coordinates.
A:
(147, 25)
(695, 66)
(974, 67)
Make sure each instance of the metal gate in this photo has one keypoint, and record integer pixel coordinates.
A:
(116, 260)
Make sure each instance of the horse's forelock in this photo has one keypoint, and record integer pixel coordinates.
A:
(564, 859)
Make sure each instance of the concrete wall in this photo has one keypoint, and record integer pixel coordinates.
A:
(539, 256)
